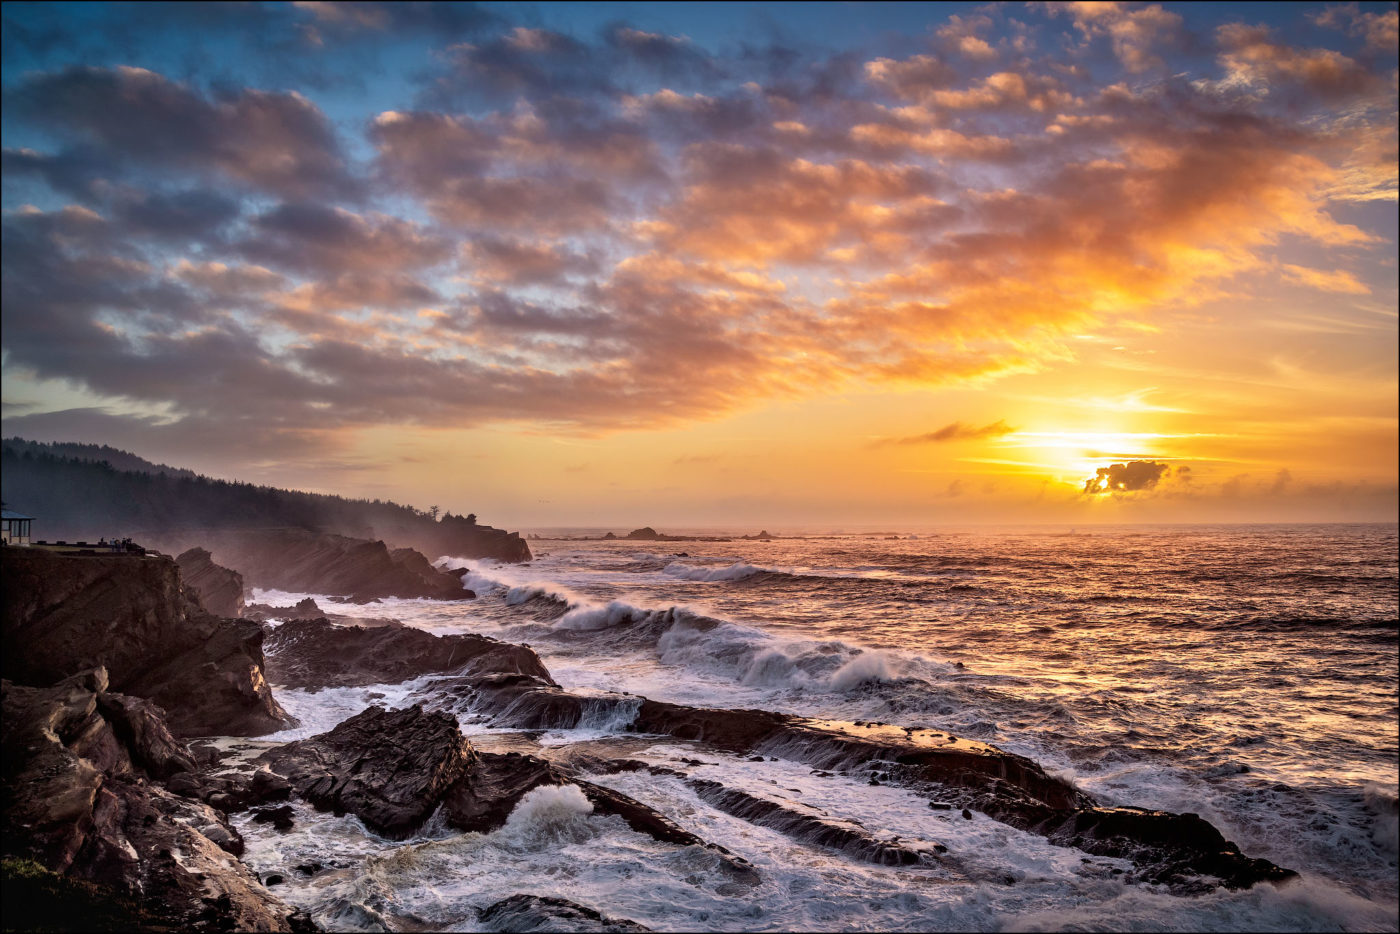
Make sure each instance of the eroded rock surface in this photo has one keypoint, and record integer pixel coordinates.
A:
(79, 799)
(220, 589)
(303, 561)
(315, 654)
(1172, 848)
(130, 615)
(389, 768)
(815, 829)
(545, 913)
(307, 608)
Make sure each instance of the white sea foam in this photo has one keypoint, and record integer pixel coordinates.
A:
(735, 572)
(864, 668)
(1383, 803)
(1085, 689)
(549, 815)
(589, 618)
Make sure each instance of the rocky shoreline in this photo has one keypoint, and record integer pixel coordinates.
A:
(115, 668)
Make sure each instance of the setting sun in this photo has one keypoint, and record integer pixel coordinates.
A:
(618, 466)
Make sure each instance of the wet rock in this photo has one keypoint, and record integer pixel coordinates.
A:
(389, 768)
(303, 561)
(281, 818)
(314, 654)
(1169, 849)
(220, 590)
(233, 790)
(918, 756)
(1004, 786)
(658, 826)
(307, 608)
(496, 782)
(545, 913)
(484, 798)
(79, 800)
(814, 829)
(130, 615)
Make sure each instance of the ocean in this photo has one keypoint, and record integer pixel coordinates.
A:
(1244, 673)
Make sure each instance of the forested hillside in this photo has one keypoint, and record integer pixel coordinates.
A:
(122, 460)
(73, 496)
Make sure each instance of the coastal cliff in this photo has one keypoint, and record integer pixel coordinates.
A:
(92, 839)
(132, 615)
(317, 562)
(220, 589)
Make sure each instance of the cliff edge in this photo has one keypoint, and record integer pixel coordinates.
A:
(133, 616)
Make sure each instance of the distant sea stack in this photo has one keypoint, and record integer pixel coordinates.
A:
(462, 537)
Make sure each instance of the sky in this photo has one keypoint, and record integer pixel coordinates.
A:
(731, 265)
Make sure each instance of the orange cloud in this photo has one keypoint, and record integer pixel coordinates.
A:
(1338, 280)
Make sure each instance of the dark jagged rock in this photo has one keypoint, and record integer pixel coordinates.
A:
(644, 534)
(217, 688)
(220, 589)
(141, 727)
(918, 754)
(483, 800)
(1170, 849)
(393, 768)
(496, 783)
(530, 701)
(389, 768)
(461, 537)
(130, 615)
(316, 562)
(815, 829)
(79, 800)
(281, 818)
(546, 913)
(314, 654)
(307, 608)
(638, 816)
(1006, 787)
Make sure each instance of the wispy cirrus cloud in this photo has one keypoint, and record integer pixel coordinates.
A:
(954, 431)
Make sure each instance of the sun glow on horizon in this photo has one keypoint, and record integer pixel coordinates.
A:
(972, 268)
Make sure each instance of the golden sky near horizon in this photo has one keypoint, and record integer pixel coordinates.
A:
(1006, 264)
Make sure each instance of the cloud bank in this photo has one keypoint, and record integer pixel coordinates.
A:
(629, 230)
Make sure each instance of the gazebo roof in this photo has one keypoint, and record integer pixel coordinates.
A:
(11, 514)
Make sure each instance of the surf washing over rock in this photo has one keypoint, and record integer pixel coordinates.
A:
(947, 732)
(952, 731)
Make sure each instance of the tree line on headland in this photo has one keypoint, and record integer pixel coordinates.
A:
(78, 490)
